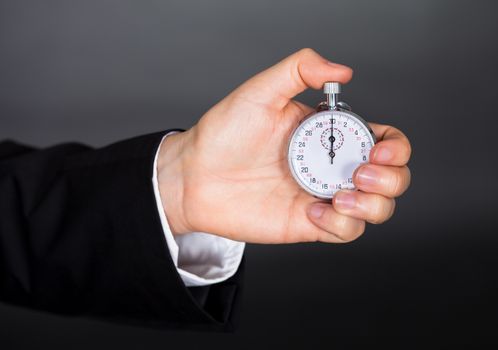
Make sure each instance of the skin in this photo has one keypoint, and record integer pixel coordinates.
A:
(228, 175)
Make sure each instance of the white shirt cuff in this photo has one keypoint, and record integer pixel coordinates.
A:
(200, 258)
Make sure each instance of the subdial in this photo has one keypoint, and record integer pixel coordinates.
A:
(326, 138)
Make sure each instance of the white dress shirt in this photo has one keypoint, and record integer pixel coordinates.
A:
(200, 258)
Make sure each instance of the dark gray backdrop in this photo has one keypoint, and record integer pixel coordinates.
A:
(101, 71)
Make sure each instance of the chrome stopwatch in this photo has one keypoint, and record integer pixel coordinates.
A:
(328, 145)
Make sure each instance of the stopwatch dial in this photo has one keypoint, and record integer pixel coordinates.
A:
(310, 151)
(327, 139)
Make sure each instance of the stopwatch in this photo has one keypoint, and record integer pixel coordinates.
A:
(328, 145)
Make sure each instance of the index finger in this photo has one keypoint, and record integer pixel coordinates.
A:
(392, 148)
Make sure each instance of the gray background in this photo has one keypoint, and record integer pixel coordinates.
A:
(101, 71)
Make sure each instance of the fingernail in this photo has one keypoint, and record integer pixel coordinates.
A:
(316, 210)
(367, 176)
(345, 200)
(383, 154)
(337, 65)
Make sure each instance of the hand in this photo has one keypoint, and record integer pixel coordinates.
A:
(228, 175)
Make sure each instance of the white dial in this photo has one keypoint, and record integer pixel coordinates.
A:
(315, 167)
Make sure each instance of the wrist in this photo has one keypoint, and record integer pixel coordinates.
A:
(171, 167)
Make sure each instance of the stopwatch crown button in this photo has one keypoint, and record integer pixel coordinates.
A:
(332, 87)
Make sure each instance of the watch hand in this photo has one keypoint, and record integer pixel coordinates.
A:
(331, 139)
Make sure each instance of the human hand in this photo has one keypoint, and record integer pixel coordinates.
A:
(228, 175)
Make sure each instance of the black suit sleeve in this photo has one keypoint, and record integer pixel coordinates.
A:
(80, 235)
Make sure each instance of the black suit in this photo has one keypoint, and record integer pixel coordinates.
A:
(80, 235)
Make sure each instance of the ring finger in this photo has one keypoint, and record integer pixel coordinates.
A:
(373, 208)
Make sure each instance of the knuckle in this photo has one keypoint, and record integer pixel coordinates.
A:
(351, 230)
(377, 220)
(357, 231)
(361, 229)
(400, 181)
(394, 184)
(408, 177)
(383, 212)
(378, 211)
(306, 51)
(392, 209)
(406, 147)
(407, 150)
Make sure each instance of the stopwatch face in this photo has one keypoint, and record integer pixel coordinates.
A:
(321, 161)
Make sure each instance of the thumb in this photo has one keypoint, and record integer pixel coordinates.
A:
(277, 85)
